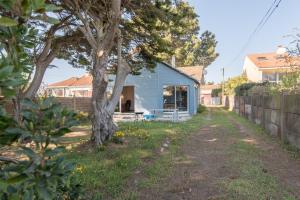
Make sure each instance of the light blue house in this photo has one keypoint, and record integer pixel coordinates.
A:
(165, 89)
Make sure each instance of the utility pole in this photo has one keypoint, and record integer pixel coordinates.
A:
(223, 82)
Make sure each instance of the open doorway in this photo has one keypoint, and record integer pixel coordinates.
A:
(127, 100)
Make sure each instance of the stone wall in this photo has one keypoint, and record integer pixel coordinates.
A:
(278, 115)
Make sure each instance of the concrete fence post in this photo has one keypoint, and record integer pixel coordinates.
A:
(263, 111)
(282, 118)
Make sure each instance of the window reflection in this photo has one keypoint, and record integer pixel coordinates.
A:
(175, 97)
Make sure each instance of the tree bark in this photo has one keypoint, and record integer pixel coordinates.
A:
(35, 84)
(103, 109)
(103, 126)
(123, 69)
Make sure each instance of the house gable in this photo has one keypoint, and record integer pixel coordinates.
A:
(148, 87)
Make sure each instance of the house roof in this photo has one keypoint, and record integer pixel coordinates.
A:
(272, 60)
(194, 71)
(189, 73)
(85, 80)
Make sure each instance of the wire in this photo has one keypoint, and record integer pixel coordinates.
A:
(271, 14)
(263, 19)
(259, 27)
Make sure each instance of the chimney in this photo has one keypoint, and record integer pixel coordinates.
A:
(280, 50)
(173, 61)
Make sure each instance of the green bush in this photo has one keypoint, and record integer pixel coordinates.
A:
(216, 92)
(39, 171)
(243, 89)
(201, 109)
(232, 83)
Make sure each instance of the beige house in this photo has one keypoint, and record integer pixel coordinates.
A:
(267, 66)
(74, 86)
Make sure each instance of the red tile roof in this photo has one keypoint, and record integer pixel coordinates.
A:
(85, 80)
(272, 60)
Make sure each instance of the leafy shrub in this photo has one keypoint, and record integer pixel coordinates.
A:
(38, 171)
(42, 173)
(216, 92)
(201, 109)
(231, 84)
(83, 117)
(242, 89)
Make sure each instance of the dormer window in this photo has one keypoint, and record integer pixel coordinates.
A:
(261, 58)
(280, 56)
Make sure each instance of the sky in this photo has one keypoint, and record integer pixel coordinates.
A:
(232, 21)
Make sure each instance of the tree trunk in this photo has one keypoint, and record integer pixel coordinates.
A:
(101, 43)
(103, 126)
(122, 73)
(17, 108)
(35, 84)
(29, 92)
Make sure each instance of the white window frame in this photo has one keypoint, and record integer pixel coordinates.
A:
(175, 86)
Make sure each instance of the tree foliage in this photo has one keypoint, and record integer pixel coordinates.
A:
(40, 173)
(37, 171)
(216, 92)
(182, 33)
(231, 84)
(136, 36)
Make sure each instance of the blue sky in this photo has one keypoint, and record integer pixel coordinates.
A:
(232, 21)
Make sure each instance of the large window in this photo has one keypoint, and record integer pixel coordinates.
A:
(176, 97)
(269, 77)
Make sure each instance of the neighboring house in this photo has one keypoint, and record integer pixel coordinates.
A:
(207, 97)
(166, 88)
(267, 66)
(78, 87)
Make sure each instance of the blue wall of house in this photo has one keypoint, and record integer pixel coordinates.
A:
(148, 88)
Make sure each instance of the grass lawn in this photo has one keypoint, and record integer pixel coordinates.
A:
(107, 173)
(123, 172)
(254, 181)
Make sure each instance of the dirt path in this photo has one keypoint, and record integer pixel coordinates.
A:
(228, 160)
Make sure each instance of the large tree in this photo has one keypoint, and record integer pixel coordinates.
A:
(46, 35)
(201, 51)
(121, 37)
(189, 47)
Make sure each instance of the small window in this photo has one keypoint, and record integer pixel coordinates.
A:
(261, 58)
